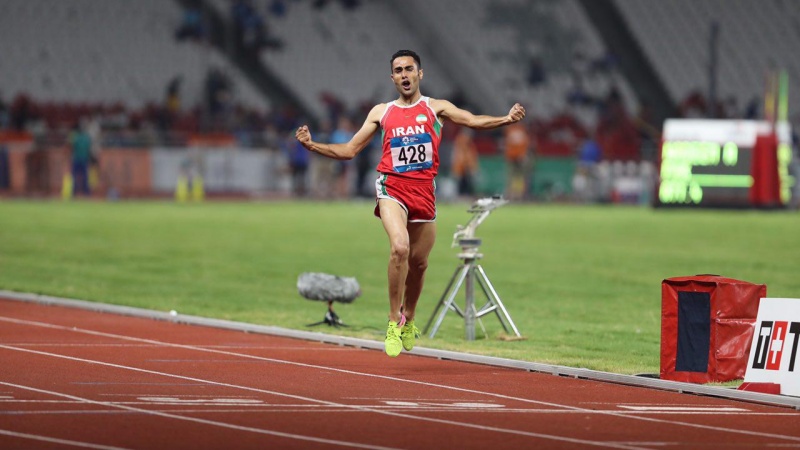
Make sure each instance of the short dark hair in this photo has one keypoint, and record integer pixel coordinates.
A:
(410, 53)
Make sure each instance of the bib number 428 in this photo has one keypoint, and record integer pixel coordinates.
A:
(411, 153)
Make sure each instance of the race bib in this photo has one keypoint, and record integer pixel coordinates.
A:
(411, 153)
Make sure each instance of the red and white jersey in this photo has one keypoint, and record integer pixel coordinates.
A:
(411, 136)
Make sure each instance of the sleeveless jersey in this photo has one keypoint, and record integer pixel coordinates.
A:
(410, 136)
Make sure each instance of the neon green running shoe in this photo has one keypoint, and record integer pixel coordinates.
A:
(393, 344)
(409, 335)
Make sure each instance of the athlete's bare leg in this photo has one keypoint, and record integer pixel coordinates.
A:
(395, 221)
(422, 235)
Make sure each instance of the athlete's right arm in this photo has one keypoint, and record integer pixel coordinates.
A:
(350, 149)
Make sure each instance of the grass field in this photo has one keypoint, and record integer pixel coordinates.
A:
(582, 283)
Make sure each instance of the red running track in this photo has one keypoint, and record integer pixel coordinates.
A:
(72, 378)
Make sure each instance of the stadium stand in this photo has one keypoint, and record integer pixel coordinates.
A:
(509, 36)
(344, 52)
(70, 59)
(76, 58)
(754, 37)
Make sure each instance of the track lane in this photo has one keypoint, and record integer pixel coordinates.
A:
(431, 398)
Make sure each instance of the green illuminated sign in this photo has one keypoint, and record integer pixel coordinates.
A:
(689, 169)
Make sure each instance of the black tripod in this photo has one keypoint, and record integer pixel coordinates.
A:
(331, 319)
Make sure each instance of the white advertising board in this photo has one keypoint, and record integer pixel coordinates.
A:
(773, 352)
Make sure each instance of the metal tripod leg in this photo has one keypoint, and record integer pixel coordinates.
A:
(446, 301)
(471, 313)
(469, 272)
(494, 300)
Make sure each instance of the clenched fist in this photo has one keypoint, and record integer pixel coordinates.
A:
(516, 113)
(303, 135)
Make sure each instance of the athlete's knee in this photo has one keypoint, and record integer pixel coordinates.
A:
(418, 264)
(399, 252)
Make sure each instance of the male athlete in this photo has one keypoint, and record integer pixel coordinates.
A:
(406, 204)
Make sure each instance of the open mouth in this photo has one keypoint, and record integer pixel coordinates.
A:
(406, 84)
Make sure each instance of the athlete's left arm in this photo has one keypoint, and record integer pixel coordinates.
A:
(460, 116)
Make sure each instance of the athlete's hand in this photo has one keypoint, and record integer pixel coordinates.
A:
(516, 113)
(303, 135)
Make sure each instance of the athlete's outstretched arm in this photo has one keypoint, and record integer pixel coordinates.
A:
(347, 150)
(479, 122)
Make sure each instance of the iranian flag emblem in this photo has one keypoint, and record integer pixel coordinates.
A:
(421, 118)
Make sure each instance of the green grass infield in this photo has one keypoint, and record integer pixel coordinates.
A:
(582, 283)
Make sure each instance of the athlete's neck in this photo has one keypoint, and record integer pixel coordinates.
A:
(408, 101)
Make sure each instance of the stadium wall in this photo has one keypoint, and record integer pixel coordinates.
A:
(149, 172)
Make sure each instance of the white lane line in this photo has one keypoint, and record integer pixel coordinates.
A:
(215, 405)
(307, 399)
(716, 409)
(37, 437)
(651, 443)
(200, 421)
(315, 409)
(230, 346)
(202, 401)
(422, 383)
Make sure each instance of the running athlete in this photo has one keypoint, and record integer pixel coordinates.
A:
(411, 128)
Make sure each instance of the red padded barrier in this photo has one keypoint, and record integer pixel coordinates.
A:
(733, 311)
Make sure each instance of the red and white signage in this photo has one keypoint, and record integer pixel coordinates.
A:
(774, 352)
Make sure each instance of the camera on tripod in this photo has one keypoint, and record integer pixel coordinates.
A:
(470, 271)
(480, 211)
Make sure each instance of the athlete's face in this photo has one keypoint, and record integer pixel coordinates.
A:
(406, 76)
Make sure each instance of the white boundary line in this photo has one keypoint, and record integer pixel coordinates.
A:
(631, 380)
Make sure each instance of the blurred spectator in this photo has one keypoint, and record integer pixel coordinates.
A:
(365, 161)
(218, 97)
(4, 116)
(616, 132)
(271, 136)
(250, 28)
(517, 145)
(465, 161)
(21, 112)
(584, 182)
(694, 105)
(193, 24)
(577, 95)
(323, 169)
(536, 73)
(603, 64)
(173, 95)
(649, 134)
(81, 146)
(5, 181)
(333, 105)
(277, 8)
(94, 131)
(753, 109)
(172, 102)
(342, 134)
(298, 158)
(365, 166)
(589, 153)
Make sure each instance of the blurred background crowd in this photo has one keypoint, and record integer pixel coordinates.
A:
(215, 88)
